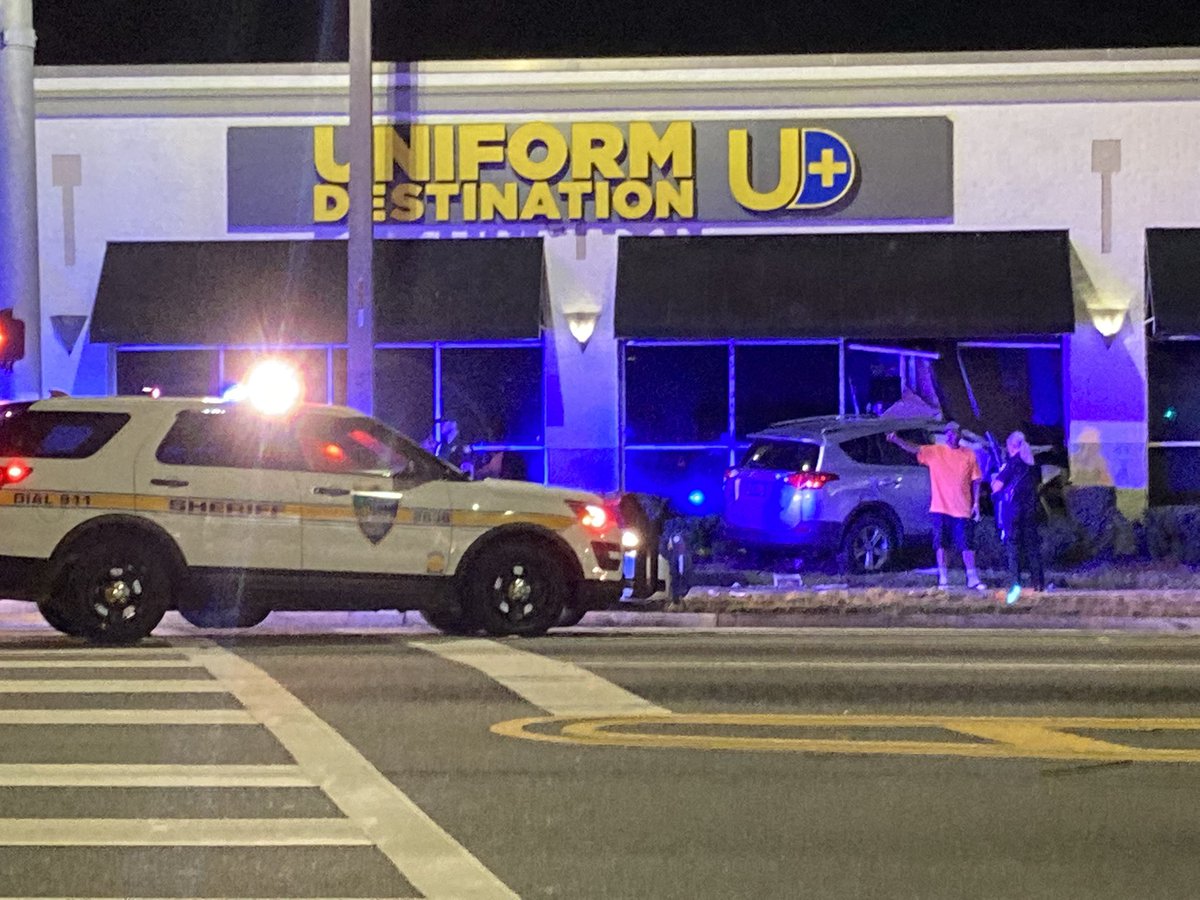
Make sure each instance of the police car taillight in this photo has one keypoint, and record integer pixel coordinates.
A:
(593, 516)
(14, 472)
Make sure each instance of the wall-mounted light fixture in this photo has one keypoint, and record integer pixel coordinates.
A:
(582, 314)
(1108, 315)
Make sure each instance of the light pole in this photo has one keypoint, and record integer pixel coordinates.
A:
(360, 287)
(18, 194)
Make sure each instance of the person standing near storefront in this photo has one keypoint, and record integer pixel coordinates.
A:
(1014, 488)
(954, 482)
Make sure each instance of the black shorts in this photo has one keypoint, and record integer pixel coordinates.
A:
(952, 533)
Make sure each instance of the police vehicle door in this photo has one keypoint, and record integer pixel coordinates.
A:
(372, 503)
(223, 483)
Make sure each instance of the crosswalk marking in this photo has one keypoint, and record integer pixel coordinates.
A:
(376, 812)
(93, 663)
(160, 775)
(132, 686)
(181, 833)
(126, 717)
(424, 853)
(561, 688)
(98, 654)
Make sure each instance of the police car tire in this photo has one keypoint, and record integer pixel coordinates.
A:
(116, 559)
(496, 585)
(570, 617)
(456, 623)
(57, 619)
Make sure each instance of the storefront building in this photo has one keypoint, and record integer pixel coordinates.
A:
(615, 271)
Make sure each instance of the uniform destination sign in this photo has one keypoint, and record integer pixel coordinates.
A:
(599, 172)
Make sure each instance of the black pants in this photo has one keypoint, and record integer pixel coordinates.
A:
(1024, 546)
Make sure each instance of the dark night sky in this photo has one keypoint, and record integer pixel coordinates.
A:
(86, 32)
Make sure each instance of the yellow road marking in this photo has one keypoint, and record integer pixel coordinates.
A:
(996, 737)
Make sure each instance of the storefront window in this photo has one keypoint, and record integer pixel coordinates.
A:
(676, 394)
(788, 381)
(1017, 387)
(1173, 370)
(404, 390)
(176, 373)
(494, 393)
(690, 479)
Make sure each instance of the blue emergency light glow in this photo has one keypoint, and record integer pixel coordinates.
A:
(696, 498)
(1170, 413)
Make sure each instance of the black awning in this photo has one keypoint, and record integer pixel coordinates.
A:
(1173, 280)
(458, 290)
(868, 285)
(271, 292)
(222, 292)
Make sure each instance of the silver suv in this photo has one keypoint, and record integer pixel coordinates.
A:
(833, 483)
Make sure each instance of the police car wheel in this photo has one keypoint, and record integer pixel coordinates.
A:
(516, 588)
(57, 619)
(570, 616)
(116, 589)
(449, 622)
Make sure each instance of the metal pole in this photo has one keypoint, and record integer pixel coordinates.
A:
(18, 194)
(360, 287)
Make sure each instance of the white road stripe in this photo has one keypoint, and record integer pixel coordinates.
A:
(560, 688)
(968, 665)
(152, 775)
(126, 717)
(89, 663)
(428, 857)
(181, 833)
(132, 686)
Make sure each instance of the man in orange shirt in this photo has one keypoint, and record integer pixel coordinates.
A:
(954, 482)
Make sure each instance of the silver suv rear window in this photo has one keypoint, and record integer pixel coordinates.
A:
(789, 456)
(34, 434)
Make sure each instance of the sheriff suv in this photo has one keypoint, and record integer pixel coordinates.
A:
(115, 510)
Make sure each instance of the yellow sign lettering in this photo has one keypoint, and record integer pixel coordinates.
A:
(672, 151)
(478, 145)
(632, 199)
(407, 205)
(551, 147)
(788, 185)
(327, 167)
(675, 199)
(498, 201)
(331, 202)
(540, 203)
(596, 147)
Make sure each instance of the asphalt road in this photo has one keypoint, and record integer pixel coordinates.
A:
(399, 763)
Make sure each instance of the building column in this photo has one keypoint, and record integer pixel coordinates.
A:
(1106, 387)
(582, 368)
(19, 286)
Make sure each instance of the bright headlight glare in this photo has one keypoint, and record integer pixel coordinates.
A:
(630, 540)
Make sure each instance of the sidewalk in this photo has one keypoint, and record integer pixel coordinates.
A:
(838, 604)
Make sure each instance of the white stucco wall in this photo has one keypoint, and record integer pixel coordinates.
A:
(1018, 165)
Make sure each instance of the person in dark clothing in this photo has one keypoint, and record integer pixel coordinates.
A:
(1015, 490)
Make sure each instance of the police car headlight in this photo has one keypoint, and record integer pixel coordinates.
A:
(630, 540)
